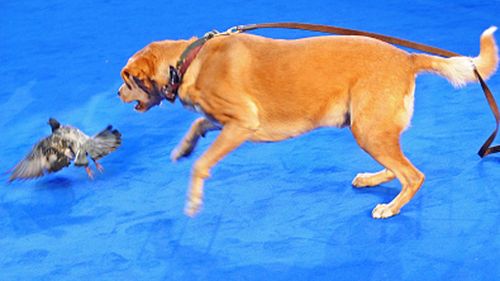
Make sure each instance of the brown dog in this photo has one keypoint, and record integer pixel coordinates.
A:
(260, 89)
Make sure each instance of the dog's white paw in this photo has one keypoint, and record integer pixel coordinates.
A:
(383, 211)
(362, 180)
(193, 206)
(175, 155)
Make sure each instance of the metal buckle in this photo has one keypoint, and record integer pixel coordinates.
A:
(170, 90)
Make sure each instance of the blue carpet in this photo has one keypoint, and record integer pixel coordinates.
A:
(279, 211)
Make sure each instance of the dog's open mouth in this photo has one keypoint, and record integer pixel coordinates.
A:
(140, 106)
(143, 106)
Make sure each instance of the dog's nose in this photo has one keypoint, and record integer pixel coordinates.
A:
(118, 93)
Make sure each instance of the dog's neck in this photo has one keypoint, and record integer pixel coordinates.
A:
(172, 53)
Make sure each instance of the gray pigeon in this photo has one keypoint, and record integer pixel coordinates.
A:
(64, 145)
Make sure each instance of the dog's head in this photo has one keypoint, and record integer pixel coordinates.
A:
(141, 80)
(147, 72)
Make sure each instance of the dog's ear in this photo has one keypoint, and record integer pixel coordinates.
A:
(126, 78)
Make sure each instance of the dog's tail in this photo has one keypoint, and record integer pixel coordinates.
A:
(460, 70)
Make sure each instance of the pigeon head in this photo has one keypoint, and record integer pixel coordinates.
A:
(54, 124)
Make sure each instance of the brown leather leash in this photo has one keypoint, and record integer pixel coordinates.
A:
(486, 148)
(188, 56)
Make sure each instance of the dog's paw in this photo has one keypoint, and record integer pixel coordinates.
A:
(180, 152)
(175, 155)
(193, 206)
(363, 180)
(383, 211)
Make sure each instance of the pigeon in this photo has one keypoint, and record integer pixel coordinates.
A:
(66, 144)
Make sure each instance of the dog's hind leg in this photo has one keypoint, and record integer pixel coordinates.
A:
(396, 115)
(231, 136)
(384, 147)
(373, 179)
(198, 129)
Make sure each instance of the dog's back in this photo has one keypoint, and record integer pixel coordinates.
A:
(297, 85)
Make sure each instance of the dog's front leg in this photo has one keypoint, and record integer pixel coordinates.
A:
(198, 129)
(231, 136)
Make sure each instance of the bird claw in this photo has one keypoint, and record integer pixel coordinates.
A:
(89, 173)
(99, 167)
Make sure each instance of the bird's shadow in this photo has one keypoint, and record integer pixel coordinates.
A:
(56, 182)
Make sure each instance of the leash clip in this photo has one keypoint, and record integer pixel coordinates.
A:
(211, 34)
(233, 30)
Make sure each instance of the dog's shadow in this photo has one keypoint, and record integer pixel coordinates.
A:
(384, 192)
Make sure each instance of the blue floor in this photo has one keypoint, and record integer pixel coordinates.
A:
(279, 211)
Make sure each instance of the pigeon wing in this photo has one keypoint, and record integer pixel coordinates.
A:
(32, 166)
(47, 156)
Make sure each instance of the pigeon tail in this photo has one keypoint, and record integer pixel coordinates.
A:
(104, 143)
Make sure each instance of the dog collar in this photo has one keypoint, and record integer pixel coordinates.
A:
(176, 73)
(170, 91)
